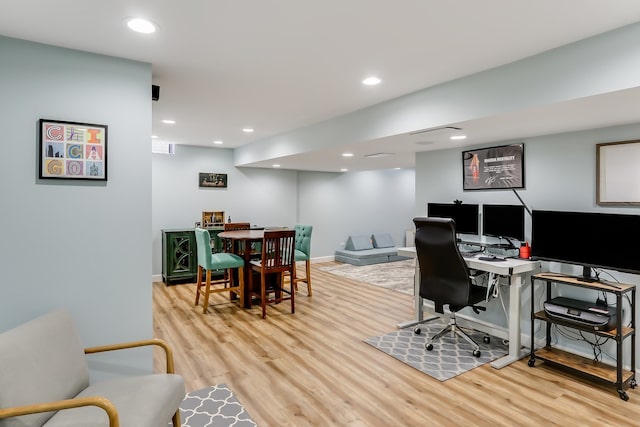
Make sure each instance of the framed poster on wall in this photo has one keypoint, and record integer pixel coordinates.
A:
(493, 168)
(72, 150)
(617, 173)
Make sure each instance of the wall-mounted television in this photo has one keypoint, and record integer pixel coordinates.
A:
(493, 168)
(464, 215)
(504, 221)
(588, 239)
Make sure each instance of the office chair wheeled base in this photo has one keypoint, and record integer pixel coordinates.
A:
(455, 330)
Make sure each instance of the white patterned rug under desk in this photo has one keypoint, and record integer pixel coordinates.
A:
(214, 406)
(450, 357)
(397, 275)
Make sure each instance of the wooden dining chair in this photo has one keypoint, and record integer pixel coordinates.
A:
(233, 226)
(208, 262)
(278, 258)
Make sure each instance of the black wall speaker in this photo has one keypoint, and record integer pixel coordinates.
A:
(155, 92)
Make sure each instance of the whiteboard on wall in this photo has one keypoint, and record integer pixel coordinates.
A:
(618, 173)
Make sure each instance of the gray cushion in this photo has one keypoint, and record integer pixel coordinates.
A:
(369, 253)
(141, 401)
(358, 243)
(40, 361)
(362, 261)
(382, 240)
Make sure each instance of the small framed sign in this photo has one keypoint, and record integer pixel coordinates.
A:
(216, 180)
(493, 168)
(72, 150)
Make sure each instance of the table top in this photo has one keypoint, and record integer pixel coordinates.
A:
(506, 267)
(246, 234)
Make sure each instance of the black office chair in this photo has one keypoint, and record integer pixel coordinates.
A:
(444, 276)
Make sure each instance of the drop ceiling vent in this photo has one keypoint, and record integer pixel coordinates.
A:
(378, 155)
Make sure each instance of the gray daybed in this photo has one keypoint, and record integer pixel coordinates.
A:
(364, 250)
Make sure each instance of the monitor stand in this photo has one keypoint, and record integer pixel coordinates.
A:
(586, 275)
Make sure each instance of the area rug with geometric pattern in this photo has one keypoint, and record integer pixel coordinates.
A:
(450, 357)
(214, 406)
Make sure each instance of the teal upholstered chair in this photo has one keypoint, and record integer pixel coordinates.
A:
(44, 381)
(209, 262)
(303, 253)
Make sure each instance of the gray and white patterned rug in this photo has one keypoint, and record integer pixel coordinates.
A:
(397, 275)
(214, 406)
(450, 357)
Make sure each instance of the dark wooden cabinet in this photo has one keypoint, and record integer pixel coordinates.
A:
(179, 254)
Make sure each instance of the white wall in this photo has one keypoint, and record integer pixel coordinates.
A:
(83, 246)
(338, 205)
(335, 204)
(560, 174)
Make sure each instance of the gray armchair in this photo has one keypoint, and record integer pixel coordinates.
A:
(44, 381)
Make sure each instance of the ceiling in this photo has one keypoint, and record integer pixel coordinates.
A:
(280, 65)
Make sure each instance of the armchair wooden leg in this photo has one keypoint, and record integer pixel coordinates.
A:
(176, 419)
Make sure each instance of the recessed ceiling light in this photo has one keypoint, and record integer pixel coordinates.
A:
(371, 81)
(218, 142)
(397, 169)
(276, 166)
(140, 25)
(169, 122)
(344, 170)
(458, 137)
(154, 136)
(247, 130)
(347, 154)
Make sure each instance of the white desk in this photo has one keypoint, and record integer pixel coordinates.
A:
(516, 270)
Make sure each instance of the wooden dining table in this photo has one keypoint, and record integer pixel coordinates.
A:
(247, 237)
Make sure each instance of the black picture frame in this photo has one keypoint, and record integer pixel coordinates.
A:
(493, 168)
(72, 150)
(212, 180)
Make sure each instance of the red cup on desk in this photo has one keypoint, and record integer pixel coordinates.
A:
(525, 250)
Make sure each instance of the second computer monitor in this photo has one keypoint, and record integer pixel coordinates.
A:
(506, 221)
(465, 216)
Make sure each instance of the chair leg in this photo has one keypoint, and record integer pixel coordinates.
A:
(293, 296)
(263, 294)
(241, 284)
(308, 265)
(176, 419)
(205, 308)
(198, 284)
(294, 278)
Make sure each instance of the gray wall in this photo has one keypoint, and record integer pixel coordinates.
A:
(335, 204)
(81, 246)
(560, 174)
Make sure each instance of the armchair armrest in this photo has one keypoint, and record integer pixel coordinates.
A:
(58, 405)
(132, 344)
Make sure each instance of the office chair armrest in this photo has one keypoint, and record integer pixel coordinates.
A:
(132, 344)
(58, 405)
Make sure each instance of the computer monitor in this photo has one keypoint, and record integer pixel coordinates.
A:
(504, 221)
(588, 239)
(465, 216)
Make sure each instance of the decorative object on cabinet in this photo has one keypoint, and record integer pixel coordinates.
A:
(72, 150)
(212, 180)
(179, 256)
(593, 369)
(212, 218)
(493, 168)
(616, 170)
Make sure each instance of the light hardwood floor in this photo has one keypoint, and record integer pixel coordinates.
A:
(312, 368)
